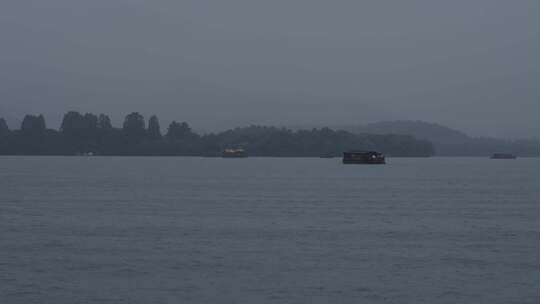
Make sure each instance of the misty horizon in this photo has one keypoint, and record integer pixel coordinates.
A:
(471, 66)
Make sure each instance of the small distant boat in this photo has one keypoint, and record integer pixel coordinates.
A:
(234, 153)
(85, 154)
(503, 156)
(364, 157)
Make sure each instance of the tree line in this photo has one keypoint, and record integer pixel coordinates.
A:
(89, 133)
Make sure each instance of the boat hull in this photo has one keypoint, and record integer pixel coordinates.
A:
(503, 156)
(362, 162)
(234, 153)
(363, 158)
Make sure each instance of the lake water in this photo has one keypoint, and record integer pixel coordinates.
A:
(268, 230)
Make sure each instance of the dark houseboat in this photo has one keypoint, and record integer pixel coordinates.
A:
(503, 156)
(364, 157)
(234, 153)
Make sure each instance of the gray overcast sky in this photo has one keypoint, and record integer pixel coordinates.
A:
(470, 64)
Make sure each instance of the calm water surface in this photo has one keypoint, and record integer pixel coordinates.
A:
(268, 230)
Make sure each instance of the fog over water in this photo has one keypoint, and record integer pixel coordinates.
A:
(472, 65)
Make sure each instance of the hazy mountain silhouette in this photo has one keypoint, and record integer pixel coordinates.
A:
(451, 142)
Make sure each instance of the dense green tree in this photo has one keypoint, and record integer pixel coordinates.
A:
(4, 129)
(80, 132)
(90, 122)
(4, 133)
(179, 131)
(71, 123)
(113, 142)
(33, 126)
(104, 122)
(31, 138)
(154, 130)
(134, 127)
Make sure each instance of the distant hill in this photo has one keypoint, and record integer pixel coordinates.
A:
(450, 142)
(420, 129)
